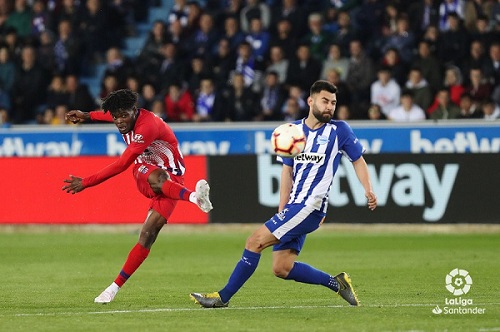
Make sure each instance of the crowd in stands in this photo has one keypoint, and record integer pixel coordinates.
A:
(254, 60)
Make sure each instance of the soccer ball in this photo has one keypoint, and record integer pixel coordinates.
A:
(288, 140)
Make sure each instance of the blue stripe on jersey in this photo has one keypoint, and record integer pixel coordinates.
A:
(313, 180)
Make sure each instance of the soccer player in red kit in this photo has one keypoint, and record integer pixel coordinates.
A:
(158, 170)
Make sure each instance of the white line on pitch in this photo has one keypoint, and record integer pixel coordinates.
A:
(396, 305)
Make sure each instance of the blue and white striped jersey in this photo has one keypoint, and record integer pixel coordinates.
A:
(314, 168)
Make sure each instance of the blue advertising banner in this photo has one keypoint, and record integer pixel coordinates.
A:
(250, 138)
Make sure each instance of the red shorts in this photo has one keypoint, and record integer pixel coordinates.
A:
(159, 202)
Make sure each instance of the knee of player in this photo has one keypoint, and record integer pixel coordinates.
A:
(281, 271)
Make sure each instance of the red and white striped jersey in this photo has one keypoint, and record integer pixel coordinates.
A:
(151, 141)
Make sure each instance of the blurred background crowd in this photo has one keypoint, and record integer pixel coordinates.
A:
(253, 60)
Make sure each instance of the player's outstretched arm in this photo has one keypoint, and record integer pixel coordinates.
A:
(364, 177)
(77, 116)
(74, 185)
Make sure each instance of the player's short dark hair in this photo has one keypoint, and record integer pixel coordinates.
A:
(321, 85)
(119, 100)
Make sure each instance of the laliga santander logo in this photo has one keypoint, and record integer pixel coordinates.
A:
(458, 282)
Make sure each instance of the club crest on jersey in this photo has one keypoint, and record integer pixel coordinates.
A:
(143, 169)
(321, 140)
(310, 158)
(138, 138)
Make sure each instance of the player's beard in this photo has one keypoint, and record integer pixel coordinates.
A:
(323, 117)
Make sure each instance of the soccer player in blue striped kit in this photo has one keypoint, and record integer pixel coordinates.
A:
(304, 187)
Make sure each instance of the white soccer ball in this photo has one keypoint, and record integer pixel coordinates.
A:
(288, 140)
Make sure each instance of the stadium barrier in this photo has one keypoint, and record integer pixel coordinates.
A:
(429, 172)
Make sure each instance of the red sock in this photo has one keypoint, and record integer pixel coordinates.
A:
(175, 190)
(135, 258)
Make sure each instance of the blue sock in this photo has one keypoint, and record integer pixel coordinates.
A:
(307, 274)
(241, 273)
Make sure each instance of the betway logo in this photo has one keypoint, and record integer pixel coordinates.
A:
(115, 147)
(311, 157)
(15, 146)
(406, 184)
(263, 144)
(462, 142)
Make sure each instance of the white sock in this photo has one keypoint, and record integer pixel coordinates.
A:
(113, 287)
(192, 198)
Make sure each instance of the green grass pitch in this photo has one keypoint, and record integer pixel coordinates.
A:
(48, 281)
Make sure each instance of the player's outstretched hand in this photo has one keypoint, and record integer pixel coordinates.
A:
(76, 116)
(372, 200)
(74, 185)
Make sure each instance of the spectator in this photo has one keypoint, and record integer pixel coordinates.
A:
(133, 84)
(179, 12)
(468, 109)
(7, 69)
(56, 116)
(272, 97)
(5, 109)
(197, 73)
(385, 91)
(118, 65)
(291, 110)
(346, 33)
(204, 38)
(491, 68)
(430, 66)
(343, 92)
(251, 68)
(179, 105)
(446, 109)
(359, 75)
(46, 51)
(317, 39)
(170, 69)
(403, 40)
(375, 113)
(335, 60)
(29, 88)
(407, 111)
(343, 113)
(253, 9)
(474, 11)
(193, 19)
(452, 43)
(232, 33)
(295, 92)
(303, 70)
(57, 94)
(447, 8)
(284, 38)
(66, 11)
(109, 84)
(452, 82)
(178, 36)
(79, 95)
(13, 43)
(148, 96)
(159, 109)
(93, 30)
(258, 38)
(207, 103)
(478, 88)
(221, 63)
(292, 13)
(20, 19)
(482, 32)
(239, 102)
(419, 88)
(491, 110)
(431, 36)
(155, 39)
(476, 58)
(278, 63)
(399, 69)
(41, 19)
(67, 50)
(423, 14)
